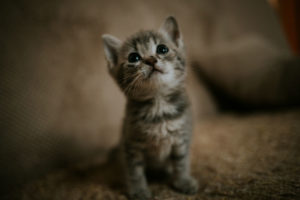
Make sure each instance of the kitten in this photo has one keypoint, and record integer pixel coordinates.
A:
(150, 69)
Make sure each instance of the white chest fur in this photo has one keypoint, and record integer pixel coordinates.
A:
(159, 107)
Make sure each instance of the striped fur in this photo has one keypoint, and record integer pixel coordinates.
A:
(157, 126)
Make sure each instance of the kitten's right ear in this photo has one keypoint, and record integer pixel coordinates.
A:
(171, 30)
(112, 46)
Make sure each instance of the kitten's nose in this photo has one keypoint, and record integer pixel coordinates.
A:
(150, 61)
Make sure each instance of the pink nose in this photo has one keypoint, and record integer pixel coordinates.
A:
(150, 61)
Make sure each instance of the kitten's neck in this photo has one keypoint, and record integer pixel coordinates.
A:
(159, 108)
(160, 100)
(159, 96)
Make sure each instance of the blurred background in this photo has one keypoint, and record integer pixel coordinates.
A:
(58, 105)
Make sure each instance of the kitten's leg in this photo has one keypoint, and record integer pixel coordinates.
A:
(182, 181)
(135, 174)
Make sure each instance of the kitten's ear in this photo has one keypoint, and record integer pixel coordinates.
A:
(112, 46)
(170, 29)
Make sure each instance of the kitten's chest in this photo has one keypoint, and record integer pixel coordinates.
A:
(160, 119)
(159, 125)
(158, 110)
(161, 137)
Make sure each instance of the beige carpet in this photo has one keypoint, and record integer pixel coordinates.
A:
(253, 156)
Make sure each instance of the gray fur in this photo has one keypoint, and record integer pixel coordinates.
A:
(158, 125)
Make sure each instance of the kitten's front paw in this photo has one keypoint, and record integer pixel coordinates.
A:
(144, 194)
(187, 185)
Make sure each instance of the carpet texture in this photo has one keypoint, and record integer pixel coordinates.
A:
(255, 156)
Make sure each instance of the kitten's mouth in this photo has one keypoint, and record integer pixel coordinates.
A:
(154, 70)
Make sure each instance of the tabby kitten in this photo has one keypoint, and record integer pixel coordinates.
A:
(149, 67)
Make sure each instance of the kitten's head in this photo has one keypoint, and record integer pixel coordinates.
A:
(149, 62)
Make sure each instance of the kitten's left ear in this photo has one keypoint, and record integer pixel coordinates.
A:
(170, 29)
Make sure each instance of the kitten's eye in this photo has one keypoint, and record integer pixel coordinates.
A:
(134, 57)
(162, 49)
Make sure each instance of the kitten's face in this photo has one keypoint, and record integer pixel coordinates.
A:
(148, 63)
